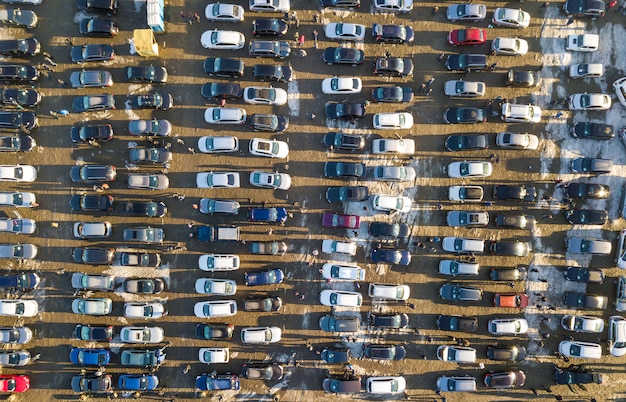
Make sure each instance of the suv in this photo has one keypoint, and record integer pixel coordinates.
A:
(514, 113)
(352, 142)
(223, 67)
(466, 62)
(620, 302)
(331, 323)
(465, 193)
(92, 173)
(521, 78)
(18, 73)
(457, 323)
(393, 66)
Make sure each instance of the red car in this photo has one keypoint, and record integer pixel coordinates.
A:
(14, 383)
(512, 300)
(464, 37)
(333, 220)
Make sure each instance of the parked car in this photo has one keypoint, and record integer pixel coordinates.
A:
(457, 323)
(217, 180)
(156, 100)
(467, 218)
(215, 286)
(93, 173)
(269, 122)
(270, 215)
(586, 190)
(100, 6)
(214, 331)
(345, 111)
(91, 133)
(12, 120)
(14, 358)
(576, 374)
(456, 384)
(511, 18)
(466, 62)
(591, 165)
(140, 259)
(215, 308)
(98, 27)
(466, 12)
(388, 291)
(18, 73)
(458, 267)
(458, 354)
(268, 248)
(516, 113)
(521, 78)
(385, 385)
(585, 8)
(225, 115)
(266, 304)
(585, 275)
(342, 272)
(338, 247)
(510, 247)
(582, 42)
(470, 169)
(145, 208)
(617, 336)
(395, 257)
(582, 350)
(269, 5)
(511, 300)
(394, 173)
(94, 333)
(137, 382)
(265, 277)
(517, 141)
(271, 72)
(514, 192)
(507, 326)
(269, 27)
(154, 127)
(16, 97)
(393, 67)
(17, 143)
(580, 245)
(214, 355)
(145, 310)
(388, 320)
(459, 293)
(18, 251)
(341, 141)
(91, 53)
(19, 18)
(143, 285)
(92, 306)
(223, 67)
(102, 282)
(92, 230)
(587, 101)
(222, 40)
(17, 226)
(90, 357)
(585, 301)
(505, 380)
(398, 146)
(390, 6)
(343, 55)
(586, 70)
(268, 148)
(147, 358)
(94, 255)
(390, 203)
(224, 12)
(397, 34)
(217, 382)
(264, 96)
(346, 194)
(341, 4)
(218, 262)
(392, 94)
(23, 282)
(509, 46)
(335, 355)
(213, 206)
(260, 335)
(269, 48)
(274, 181)
(144, 234)
(467, 37)
(393, 230)
(590, 130)
(463, 245)
(340, 324)
(267, 371)
(384, 352)
(341, 85)
(506, 353)
(344, 31)
(92, 383)
(519, 221)
(581, 323)
(330, 219)
(465, 193)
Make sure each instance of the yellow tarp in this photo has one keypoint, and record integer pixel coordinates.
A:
(145, 43)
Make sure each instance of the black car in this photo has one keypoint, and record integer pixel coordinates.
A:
(155, 100)
(23, 282)
(18, 73)
(390, 256)
(269, 27)
(518, 273)
(466, 62)
(352, 142)
(457, 323)
(259, 303)
(17, 97)
(343, 55)
(92, 173)
(19, 17)
(17, 143)
(514, 192)
(335, 355)
(223, 67)
(155, 209)
(347, 170)
(267, 371)
(216, 91)
(340, 3)
(139, 259)
(216, 330)
(344, 384)
(345, 111)
(400, 34)
(143, 285)
(468, 142)
(347, 193)
(586, 216)
(18, 120)
(392, 94)
(271, 72)
(384, 229)
(510, 247)
(464, 115)
(101, 6)
(94, 333)
(591, 165)
(521, 78)
(90, 103)
(585, 301)
(384, 352)
(576, 374)
(20, 47)
(586, 190)
(506, 353)
(91, 202)
(594, 131)
(85, 53)
(92, 383)
(393, 66)
(149, 74)
(92, 132)
(269, 122)
(585, 275)
(269, 48)
(585, 8)
(389, 320)
(94, 255)
(519, 221)
(98, 27)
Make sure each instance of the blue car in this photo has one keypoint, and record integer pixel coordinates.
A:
(268, 277)
(272, 215)
(397, 257)
(90, 357)
(137, 382)
(217, 382)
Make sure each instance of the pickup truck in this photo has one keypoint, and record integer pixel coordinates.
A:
(267, 277)
(269, 248)
(218, 233)
(576, 374)
(272, 303)
(143, 358)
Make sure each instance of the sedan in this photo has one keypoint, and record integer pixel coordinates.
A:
(148, 181)
(393, 67)
(397, 146)
(393, 6)
(268, 148)
(519, 221)
(266, 277)
(465, 193)
(333, 220)
(217, 382)
(581, 323)
(507, 353)
(394, 173)
(91, 103)
(160, 101)
(269, 48)
(509, 46)
(94, 255)
(261, 335)
(510, 247)
(459, 293)
(98, 27)
(137, 382)
(585, 275)
(90, 357)
(155, 209)
(395, 257)
(94, 333)
(507, 326)
(19, 47)
(87, 53)
(92, 306)
(214, 331)
(511, 300)
(341, 141)
(582, 350)
(91, 133)
(343, 55)
(464, 89)
(271, 72)
(101, 282)
(269, 27)
(146, 74)
(265, 96)
(154, 127)
(619, 87)
(347, 193)
(595, 131)
(586, 70)
(99, 6)
(275, 180)
(146, 310)
(267, 304)
(587, 101)
(337, 298)
(341, 4)
(17, 226)
(587, 190)
(464, 115)
(336, 272)
(218, 144)
(14, 358)
(514, 192)
(144, 234)
(344, 32)
(225, 115)
(269, 5)
(505, 380)
(268, 248)
(470, 169)
(19, 18)
(341, 85)
(397, 34)
(467, 218)
(517, 141)
(92, 383)
(18, 251)
(392, 94)
(510, 17)
(149, 155)
(466, 12)
(344, 170)
(338, 247)
(469, 36)
(139, 259)
(267, 371)
(220, 91)
(19, 97)
(224, 12)
(583, 301)
(345, 111)
(214, 355)
(521, 78)
(20, 281)
(222, 287)
(143, 285)
(586, 216)
(390, 203)
(587, 8)
(222, 40)
(384, 352)
(467, 142)
(269, 122)
(217, 180)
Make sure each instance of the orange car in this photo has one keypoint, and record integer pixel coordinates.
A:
(519, 300)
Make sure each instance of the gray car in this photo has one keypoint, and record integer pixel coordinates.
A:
(580, 245)
(144, 234)
(591, 165)
(458, 293)
(394, 173)
(467, 218)
(18, 251)
(91, 79)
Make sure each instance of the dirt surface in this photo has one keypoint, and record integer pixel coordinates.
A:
(182, 54)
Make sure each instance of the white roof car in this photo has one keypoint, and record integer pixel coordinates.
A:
(26, 251)
(343, 272)
(225, 115)
(463, 245)
(587, 101)
(393, 121)
(92, 306)
(216, 39)
(470, 169)
(382, 202)
(342, 85)
(18, 199)
(394, 173)
(270, 5)
(217, 180)
(393, 146)
(617, 335)
(466, 12)
(509, 46)
(20, 308)
(144, 310)
(212, 286)
(515, 113)
(18, 173)
(507, 326)
(621, 250)
(92, 230)
(455, 267)
(517, 141)
(93, 281)
(340, 298)
(587, 245)
(141, 334)
(218, 262)
(273, 180)
(465, 193)
(458, 354)
(213, 206)
(265, 96)
(338, 247)
(213, 355)
(456, 384)
(17, 226)
(587, 70)
(388, 291)
(216, 144)
(15, 335)
(464, 89)
(392, 6)
(268, 148)
(14, 358)
(385, 385)
(582, 42)
(581, 323)
(583, 350)
(224, 12)
(261, 335)
(619, 87)
(510, 17)
(344, 31)
(148, 181)
(215, 308)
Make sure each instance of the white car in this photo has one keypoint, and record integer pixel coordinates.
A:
(517, 141)
(385, 385)
(340, 298)
(463, 245)
(143, 181)
(583, 42)
(215, 308)
(93, 281)
(15, 335)
(470, 169)
(458, 354)
(343, 31)
(273, 180)
(213, 355)
(14, 358)
(223, 12)
(507, 326)
(269, 148)
(393, 121)
(466, 12)
(335, 272)
(583, 350)
(587, 101)
(464, 89)
(456, 267)
(265, 96)
(92, 230)
(581, 323)
(218, 287)
(18, 251)
(17, 226)
(393, 146)
(217, 180)
(262, 335)
(218, 262)
(223, 40)
(621, 250)
(338, 247)
(144, 310)
(515, 113)
(619, 87)
(617, 335)
(587, 70)
(394, 173)
(342, 85)
(509, 46)
(466, 193)
(20, 308)
(456, 384)
(218, 144)
(92, 306)
(142, 334)
(392, 203)
(510, 17)
(225, 115)
(18, 199)
(388, 291)
(282, 6)
(18, 173)
(394, 6)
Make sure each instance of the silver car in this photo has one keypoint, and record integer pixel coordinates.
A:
(467, 218)
(394, 173)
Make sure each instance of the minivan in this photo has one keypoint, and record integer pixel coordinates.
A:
(218, 262)
(458, 267)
